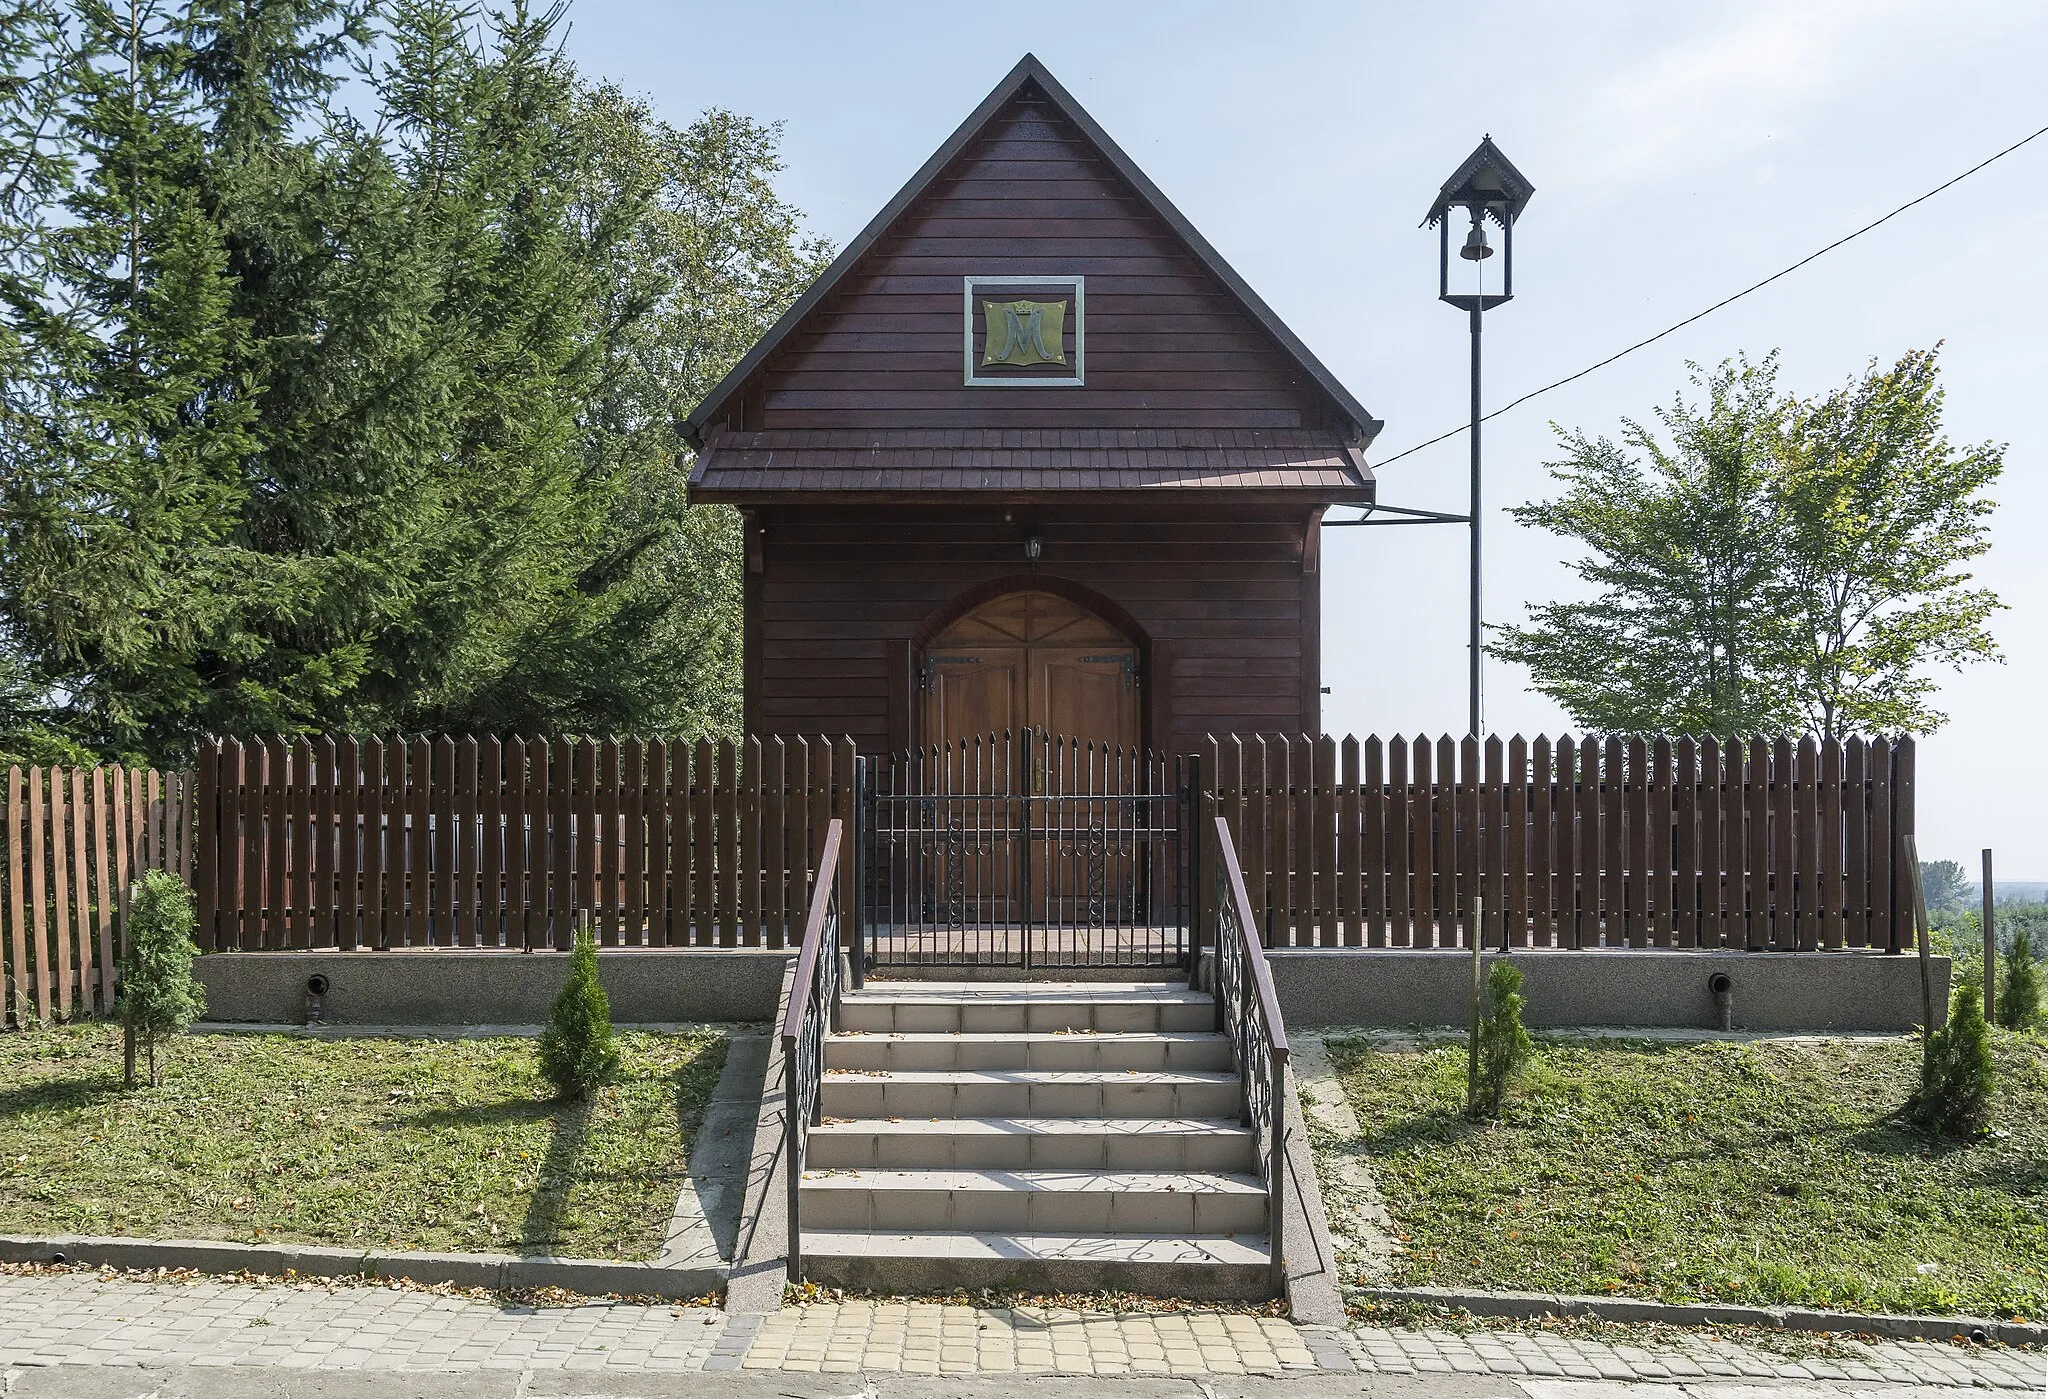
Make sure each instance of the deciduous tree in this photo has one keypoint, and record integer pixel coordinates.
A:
(1783, 563)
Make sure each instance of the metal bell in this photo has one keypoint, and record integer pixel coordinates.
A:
(1476, 247)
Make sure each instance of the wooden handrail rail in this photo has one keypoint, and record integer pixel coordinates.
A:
(812, 1015)
(1262, 974)
(1258, 1040)
(814, 933)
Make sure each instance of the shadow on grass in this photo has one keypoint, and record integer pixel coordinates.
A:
(1896, 1136)
(541, 1229)
(483, 1114)
(1435, 1126)
(60, 1094)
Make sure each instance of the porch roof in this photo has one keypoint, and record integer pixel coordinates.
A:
(752, 467)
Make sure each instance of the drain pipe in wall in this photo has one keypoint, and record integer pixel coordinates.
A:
(1723, 987)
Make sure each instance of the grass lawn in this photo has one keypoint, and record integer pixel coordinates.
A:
(440, 1145)
(1763, 1173)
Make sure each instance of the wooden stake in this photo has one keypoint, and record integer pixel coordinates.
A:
(1472, 1041)
(1920, 930)
(1990, 948)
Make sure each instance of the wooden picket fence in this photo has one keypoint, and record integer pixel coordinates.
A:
(1785, 844)
(447, 842)
(74, 839)
(1751, 844)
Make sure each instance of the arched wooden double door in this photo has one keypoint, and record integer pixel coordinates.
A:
(1032, 660)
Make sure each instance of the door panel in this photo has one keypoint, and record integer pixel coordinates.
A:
(1089, 695)
(974, 694)
(972, 854)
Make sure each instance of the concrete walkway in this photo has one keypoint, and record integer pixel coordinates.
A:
(72, 1323)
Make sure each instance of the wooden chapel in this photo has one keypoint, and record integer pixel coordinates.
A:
(1030, 453)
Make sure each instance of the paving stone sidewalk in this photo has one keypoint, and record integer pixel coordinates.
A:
(76, 1319)
(81, 1319)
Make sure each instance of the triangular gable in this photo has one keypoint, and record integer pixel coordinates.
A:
(1029, 187)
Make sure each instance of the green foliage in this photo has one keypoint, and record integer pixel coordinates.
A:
(159, 999)
(577, 1049)
(317, 422)
(2022, 986)
(440, 1145)
(1943, 883)
(1766, 1173)
(1784, 563)
(1956, 1076)
(1504, 1044)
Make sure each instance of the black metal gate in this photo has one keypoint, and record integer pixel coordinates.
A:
(1025, 851)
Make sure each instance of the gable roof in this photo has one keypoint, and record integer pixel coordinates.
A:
(1031, 74)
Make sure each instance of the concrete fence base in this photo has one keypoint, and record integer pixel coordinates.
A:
(1815, 992)
(1650, 989)
(486, 987)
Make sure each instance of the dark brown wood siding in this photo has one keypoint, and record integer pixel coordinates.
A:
(1167, 345)
(842, 597)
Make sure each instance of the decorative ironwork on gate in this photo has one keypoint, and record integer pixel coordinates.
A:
(1026, 850)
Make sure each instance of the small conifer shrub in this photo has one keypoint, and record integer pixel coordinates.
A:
(2021, 993)
(577, 1049)
(158, 997)
(1504, 1045)
(1954, 1098)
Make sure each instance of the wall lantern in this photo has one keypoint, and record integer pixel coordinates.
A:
(1487, 189)
(1033, 547)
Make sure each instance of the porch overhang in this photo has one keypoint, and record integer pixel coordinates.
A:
(1021, 464)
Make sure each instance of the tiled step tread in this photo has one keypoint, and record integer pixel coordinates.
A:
(967, 1076)
(1242, 1249)
(1040, 1126)
(1029, 991)
(1012, 1182)
(1049, 1049)
(1013, 1007)
(942, 1095)
(1048, 1143)
(1073, 1201)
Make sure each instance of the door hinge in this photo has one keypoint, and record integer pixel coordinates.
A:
(1129, 667)
(932, 663)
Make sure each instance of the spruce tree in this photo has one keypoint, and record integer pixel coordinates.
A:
(318, 423)
(2022, 997)
(159, 999)
(120, 547)
(1956, 1077)
(578, 1052)
(1504, 1044)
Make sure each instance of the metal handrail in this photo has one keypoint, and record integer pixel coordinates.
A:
(812, 1016)
(1249, 1012)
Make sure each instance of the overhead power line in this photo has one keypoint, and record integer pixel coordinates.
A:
(1726, 301)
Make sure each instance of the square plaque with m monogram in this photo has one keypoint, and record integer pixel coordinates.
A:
(1025, 331)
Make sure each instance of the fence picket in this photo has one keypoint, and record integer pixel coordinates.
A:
(17, 896)
(1806, 842)
(1349, 871)
(299, 805)
(1685, 859)
(1468, 844)
(1542, 843)
(101, 843)
(747, 807)
(73, 932)
(1512, 788)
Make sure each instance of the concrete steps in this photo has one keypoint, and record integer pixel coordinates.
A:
(1043, 1143)
(1054, 1049)
(1056, 1136)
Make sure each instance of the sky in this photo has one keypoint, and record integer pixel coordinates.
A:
(1679, 153)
